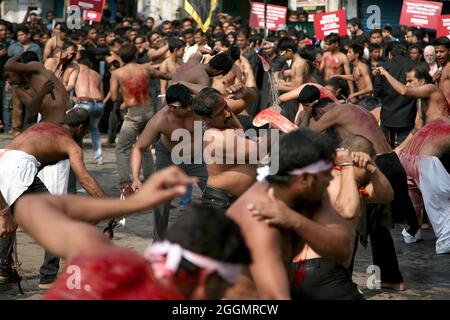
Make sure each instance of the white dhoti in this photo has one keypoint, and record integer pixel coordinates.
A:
(56, 177)
(17, 172)
(434, 184)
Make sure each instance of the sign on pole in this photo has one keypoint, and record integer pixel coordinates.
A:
(276, 15)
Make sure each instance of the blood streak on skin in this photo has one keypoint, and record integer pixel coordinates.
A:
(137, 87)
(45, 127)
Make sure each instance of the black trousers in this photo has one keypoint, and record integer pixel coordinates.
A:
(395, 136)
(50, 267)
(325, 280)
(378, 215)
(216, 198)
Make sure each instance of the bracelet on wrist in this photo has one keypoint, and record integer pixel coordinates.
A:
(346, 164)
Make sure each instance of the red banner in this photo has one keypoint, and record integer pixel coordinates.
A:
(419, 13)
(92, 9)
(330, 22)
(276, 15)
(443, 29)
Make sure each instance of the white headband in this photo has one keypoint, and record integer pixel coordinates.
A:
(166, 258)
(313, 168)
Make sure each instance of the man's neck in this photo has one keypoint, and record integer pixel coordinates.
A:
(282, 194)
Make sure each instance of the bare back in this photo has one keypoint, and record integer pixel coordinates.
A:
(47, 142)
(133, 80)
(89, 84)
(193, 73)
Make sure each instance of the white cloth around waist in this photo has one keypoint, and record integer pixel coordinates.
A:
(56, 177)
(434, 184)
(17, 172)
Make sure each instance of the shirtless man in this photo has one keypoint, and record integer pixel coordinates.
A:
(133, 81)
(427, 163)
(334, 61)
(319, 278)
(442, 48)
(108, 272)
(159, 50)
(41, 145)
(176, 115)
(360, 75)
(197, 73)
(54, 45)
(431, 102)
(287, 49)
(63, 66)
(37, 88)
(228, 178)
(345, 120)
(173, 62)
(299, 187)
(89, 96)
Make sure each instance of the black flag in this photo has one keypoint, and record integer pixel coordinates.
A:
(201, 11)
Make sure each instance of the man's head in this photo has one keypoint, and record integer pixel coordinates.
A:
(188, 36)
(413, 35)
(442, 46)
(3, 30)
(212, 253)
(417, 76)
(355, 52)
(139, 42)
(18, 78)
(78, 120)
(220, 65)
(376, 37)
(415, 52)
(23, 34)
(91, 33)
(338, 86)
(69, 50)
(179, 100)
(155, 40)
(115, 45)
(128, 53)
(397, 49)
(332, 42)
(150, 23)
(50, 15)
(287, 48)
(309, 96)
(110, 36)
(354, 26)
(186, 24)
(387, 32)
(305, 163)
(199, 37)
(213, 109)
(374, 52)
(242, 38)
(429, 54)
(166, 28)
(357, 143)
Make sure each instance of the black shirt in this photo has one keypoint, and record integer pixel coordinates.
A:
(397, 111)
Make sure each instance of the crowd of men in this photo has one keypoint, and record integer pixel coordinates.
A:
(368, 146)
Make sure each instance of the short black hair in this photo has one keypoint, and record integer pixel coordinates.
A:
(374, 31)
(397, 49)
(416, 32)
(209, 232)
(333, 38)
(308, 94)
(234, 52)
(388, 28)
(76, 117)
(421, 72)
(415, 46)
(243, 32)
(204, 102)
(298, 149)
(22, 28)
(221, 62)
(28, 56)
(115, 64)
(374, 46)
(175, 43)
(128, 53)
(442, 41)
(355, 22)
(188, 31)
(357, 48)
(69, 44)
(287, 43)
(358, 143)
(178, 93)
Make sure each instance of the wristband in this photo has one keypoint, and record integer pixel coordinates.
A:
(346, 164)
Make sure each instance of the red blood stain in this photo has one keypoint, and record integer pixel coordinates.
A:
(46, 127)
(137, 87)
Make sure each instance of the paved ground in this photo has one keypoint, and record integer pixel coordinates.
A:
(427, 275)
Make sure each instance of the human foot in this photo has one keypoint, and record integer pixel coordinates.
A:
(394, 286)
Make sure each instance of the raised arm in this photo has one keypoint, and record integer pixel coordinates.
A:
(51, 220)
(34, 102)
(156, 73)
(13, 66)
(418, 92)
(155, 54)
(73, 78)
(240, 97)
